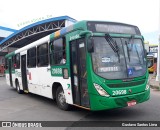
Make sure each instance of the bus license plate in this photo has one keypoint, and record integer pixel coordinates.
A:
(131, 103)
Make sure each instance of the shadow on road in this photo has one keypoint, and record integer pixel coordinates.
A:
(115, 114)
(128, 113)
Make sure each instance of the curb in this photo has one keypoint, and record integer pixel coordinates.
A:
(155, 87)
(154, 84)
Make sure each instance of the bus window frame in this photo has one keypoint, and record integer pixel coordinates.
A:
(17, 62)
(51, 51)
(37, 55)
(28, 58)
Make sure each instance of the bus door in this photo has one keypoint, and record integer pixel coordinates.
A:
(24, 72)
(79, 73)
(10, 71)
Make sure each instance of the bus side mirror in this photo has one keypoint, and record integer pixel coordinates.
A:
(90, 45)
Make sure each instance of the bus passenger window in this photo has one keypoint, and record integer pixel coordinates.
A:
(42, 55)
(17, 61)
(31, 58)
(58, 55)
(63, 60)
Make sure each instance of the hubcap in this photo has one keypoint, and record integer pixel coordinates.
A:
(61, 98)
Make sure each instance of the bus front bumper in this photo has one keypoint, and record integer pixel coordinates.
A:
(98, 102)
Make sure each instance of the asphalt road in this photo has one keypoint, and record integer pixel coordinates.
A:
(30, 107)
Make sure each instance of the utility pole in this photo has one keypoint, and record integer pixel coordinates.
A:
(158, 53)
(158, 61)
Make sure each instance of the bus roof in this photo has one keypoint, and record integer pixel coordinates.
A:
(122, 28)
(82, 25)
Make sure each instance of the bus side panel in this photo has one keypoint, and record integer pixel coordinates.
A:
(7, 75)
(57, 76)
(33, 81)
(10, 72)
(18, 77)
(7, 78)
(66, 85)
(40, 82)
(13, 80)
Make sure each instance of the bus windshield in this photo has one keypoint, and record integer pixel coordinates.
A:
(128, 63)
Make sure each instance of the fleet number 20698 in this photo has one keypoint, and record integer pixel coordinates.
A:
(119, 92)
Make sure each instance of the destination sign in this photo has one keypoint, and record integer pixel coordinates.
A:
(108, 27)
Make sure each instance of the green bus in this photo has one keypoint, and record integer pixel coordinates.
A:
(94, 65)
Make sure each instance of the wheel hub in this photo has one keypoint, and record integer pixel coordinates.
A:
(61, 98)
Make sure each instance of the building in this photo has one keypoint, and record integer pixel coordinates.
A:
(4, 33)
(32, 33)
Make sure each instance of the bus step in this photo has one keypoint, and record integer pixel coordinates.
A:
(26, 91)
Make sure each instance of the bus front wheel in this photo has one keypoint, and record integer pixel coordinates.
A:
(61, 100)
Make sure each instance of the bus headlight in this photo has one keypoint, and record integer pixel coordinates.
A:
(147, 85)
(100, 90)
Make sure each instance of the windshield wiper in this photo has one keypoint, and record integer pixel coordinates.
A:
(138, 55)
(127, 50)
(113, 45)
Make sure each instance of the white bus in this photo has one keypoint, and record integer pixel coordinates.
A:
(88, 64)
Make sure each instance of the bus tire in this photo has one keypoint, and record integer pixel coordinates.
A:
(61, 100)
(18, 88)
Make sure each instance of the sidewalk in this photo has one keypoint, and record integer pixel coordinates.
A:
(153, 83)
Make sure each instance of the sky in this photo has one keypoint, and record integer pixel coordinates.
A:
(143, 13)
